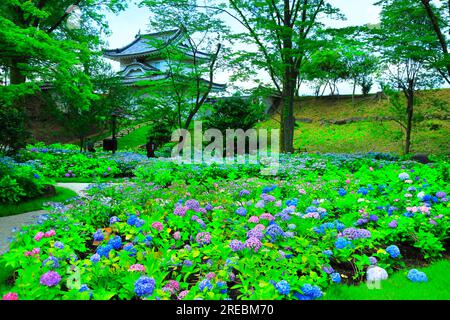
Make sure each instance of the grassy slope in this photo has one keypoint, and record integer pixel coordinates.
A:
(398, 287)
(366, 136)
(62, 194)
(134, 140)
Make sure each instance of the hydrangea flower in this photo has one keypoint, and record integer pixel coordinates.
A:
(283, 287)
(393, 251)
(172, 287)
(113, 220)
(205, 284)
(58, 245)
(137, 268)
(336, 277)
(354, 233)
(244, 193)
(274, 231)
(39, 236)
(417, 276)
(373, 261)
(253, 219)
(98, 235)
(236, 245)
(50, 279)
(10, 296)
(253, 243)
(116, 242)
(393, 224)
(222, 286)
(104, 250)
(342, 192)
(50, 233)
(96, 258)
(241, 211)
(180, 211)
(203, 238)
(192, 204)
(144, 286)
(157, 225)
(131, 249)
(132, 220)
(327, 252)
(441, 194)
(309, 292)
(267, 216)
(403, 176)
(255, 233)
(51, 262)
(342, 243)
(182, 294)
(177, 235)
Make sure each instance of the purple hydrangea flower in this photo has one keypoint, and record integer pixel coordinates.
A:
(50, 279)
(236, 245)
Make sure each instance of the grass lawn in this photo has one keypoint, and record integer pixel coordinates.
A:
(134, 140)
(399, 287)
(62, 194)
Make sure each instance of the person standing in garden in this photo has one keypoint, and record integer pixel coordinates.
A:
(151, 147)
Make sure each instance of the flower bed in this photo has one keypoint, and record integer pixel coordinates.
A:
(323, 221)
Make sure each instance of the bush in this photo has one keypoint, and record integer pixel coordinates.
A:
(235, 113)
(12, 130)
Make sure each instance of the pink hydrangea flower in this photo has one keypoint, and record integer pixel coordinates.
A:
(157, 225)
(210, 275)
(253, 219)
(177, 235)
(267, 216)
(39, 236)
(137, 267)
(11, 296)
(172, 286)
(183, 294)
(302, 191)
(253, 243)
(370, 168)
(259, 227)
(347, 181)
(50, 233)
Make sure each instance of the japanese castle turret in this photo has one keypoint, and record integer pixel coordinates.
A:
(142, 59)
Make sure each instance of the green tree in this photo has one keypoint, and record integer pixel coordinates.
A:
(405, 41)
(439, 18)
(191, 61)
(37, 47)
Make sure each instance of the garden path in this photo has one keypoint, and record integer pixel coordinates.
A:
(10, 225)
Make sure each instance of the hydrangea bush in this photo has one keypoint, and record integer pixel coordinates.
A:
(290, 236)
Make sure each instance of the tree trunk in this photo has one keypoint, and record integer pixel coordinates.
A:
(409, 121)
(15, 73)
(353, 93)
(287, 114)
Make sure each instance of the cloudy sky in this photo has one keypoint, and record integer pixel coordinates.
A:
(128, 23)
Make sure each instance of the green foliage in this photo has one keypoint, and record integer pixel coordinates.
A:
(12, 131)
(235, 113)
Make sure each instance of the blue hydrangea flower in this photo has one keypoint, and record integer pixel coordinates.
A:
(95, 258)
(144, 286)
(205, 284)
(328, 253)
(222, 287)
(104, 250)
(417, 276)
(336, 277)
(274, 231)
(51, 262)
(98, 235)
(59, 245)
(114, 220)
(393, 251)
(373, 261)
(139, 223)
(292, 202)
(241, 211)
(130, 248)
(342, 243)
(283, 287)
(132, 220)
(403, 176)
(342, 192)
(309, 292)
(115, 242)
(363, 191)
(148, 241)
